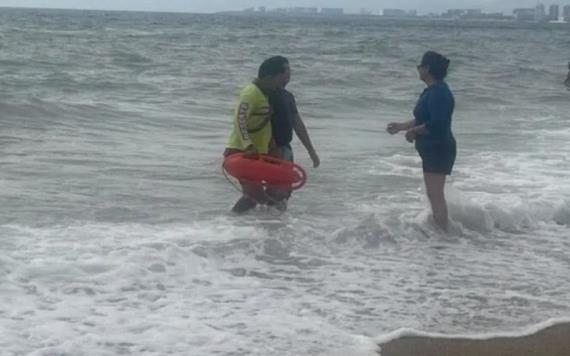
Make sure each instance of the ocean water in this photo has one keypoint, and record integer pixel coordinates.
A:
(115, 232)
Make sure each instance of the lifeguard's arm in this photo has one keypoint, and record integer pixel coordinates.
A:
(303, 134)
(242, 117)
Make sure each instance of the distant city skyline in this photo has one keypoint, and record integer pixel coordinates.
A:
(350, 6)
(538, 14)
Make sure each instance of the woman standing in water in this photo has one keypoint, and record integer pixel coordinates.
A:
(431, 131)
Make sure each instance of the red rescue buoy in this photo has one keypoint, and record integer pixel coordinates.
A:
(266, 171)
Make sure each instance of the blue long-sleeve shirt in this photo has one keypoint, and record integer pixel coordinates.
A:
(435, 109)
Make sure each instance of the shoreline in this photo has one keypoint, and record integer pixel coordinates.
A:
(552, 340)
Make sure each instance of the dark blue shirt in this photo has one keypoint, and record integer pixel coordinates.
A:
(284, 115)
(435, 109)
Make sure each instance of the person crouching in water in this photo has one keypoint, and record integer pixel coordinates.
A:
(252, 132)
(284, 121)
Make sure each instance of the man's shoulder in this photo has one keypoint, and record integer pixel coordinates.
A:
(287, 94)
(288, 97)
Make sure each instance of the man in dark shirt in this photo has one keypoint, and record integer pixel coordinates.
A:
(284, 121)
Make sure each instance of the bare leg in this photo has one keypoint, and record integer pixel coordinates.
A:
(435, 184)
(243, 204)
(253, 194)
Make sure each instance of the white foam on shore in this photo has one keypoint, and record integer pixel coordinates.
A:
(531, 330)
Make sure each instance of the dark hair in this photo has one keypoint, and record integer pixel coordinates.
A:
(437, 64)
(272, 66)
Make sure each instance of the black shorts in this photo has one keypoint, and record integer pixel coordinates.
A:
(437, 156)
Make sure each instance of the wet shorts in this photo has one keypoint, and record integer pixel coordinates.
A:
(437, 156)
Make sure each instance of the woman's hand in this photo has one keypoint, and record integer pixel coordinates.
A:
(411, 135)
(394, 127)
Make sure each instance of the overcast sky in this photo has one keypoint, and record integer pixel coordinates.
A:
(423, 6)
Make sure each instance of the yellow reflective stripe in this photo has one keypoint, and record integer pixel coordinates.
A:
(242, 121)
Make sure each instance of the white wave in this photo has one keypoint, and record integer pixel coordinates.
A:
(530, 330)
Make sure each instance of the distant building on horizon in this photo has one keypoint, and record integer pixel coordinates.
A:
(525, 14)
(332, 11)
(474, 12)
(297, 10)
(305, 10)
(393, 13)
(454, 13)
(477, 14)
(398, 13)
(566, 13)
(536, 14)
(369, 12)
(497, 16)
(554, 12)
(540, 14)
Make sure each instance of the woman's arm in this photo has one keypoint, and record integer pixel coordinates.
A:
(395, 127)
(413, 132)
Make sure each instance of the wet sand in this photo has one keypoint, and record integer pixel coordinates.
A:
(551, 341)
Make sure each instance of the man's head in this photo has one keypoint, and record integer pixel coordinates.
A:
(275, 72)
